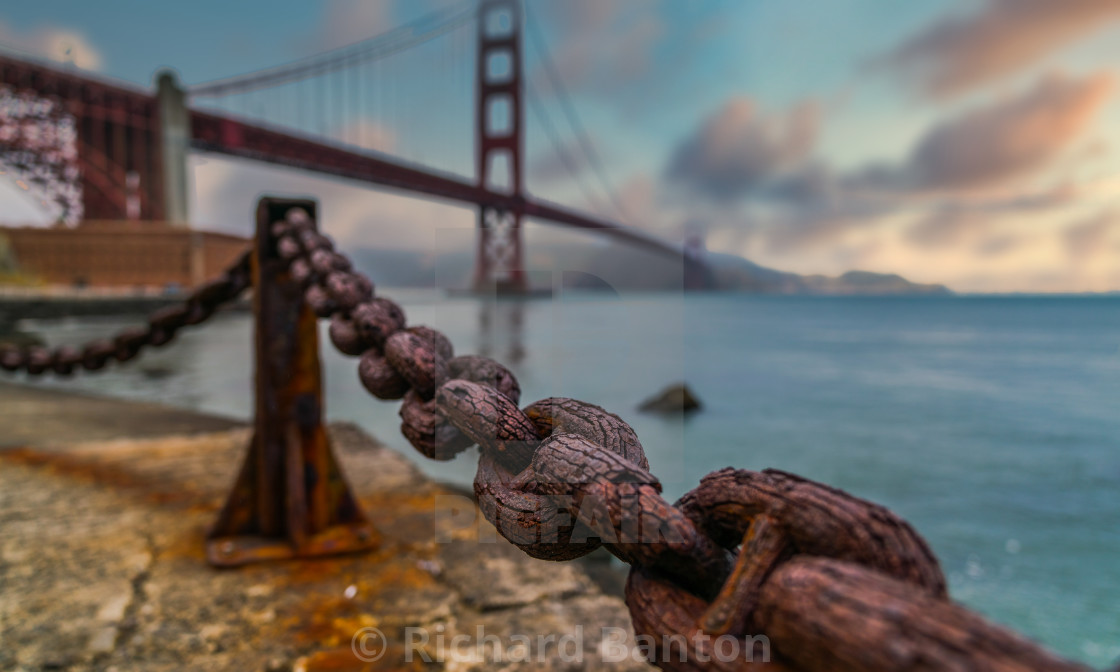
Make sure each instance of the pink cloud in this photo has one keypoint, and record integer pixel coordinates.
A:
(1089, 237)
(348, 21)
(1000, 39)
(993, 146)
(55, 43)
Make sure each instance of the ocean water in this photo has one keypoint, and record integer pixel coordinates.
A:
(991, 423)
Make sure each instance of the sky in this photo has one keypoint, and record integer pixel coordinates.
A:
(970, 142)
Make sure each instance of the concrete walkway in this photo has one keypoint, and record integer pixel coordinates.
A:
(42, 416)
(102, 564)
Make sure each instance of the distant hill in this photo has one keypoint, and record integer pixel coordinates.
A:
(866, 282)
(736, 273)
(628, 269)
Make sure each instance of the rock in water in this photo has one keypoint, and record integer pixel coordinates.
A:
(676, 398)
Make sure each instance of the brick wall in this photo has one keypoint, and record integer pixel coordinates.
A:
(120, 254)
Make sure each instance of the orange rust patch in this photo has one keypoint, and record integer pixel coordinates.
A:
(399, 575)
(406, 520)
(190, 545)
(421, 502)
(344, 660)
(110, 475)
(331, 620)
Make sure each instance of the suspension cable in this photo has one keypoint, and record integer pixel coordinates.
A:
(558, 147)
(391, 42)
(569, 110)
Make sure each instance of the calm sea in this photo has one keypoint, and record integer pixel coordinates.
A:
(991, 423)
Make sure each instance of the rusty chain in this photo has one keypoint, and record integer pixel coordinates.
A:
(832, 581)
(160, 330)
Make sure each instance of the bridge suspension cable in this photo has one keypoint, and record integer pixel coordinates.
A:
(553, 135)
(395, 95)
(388, 43)
(556, 82)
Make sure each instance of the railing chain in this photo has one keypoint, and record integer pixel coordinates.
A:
(162, 326)
(832, 581)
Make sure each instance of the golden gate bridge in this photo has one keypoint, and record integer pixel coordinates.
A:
(104, 150)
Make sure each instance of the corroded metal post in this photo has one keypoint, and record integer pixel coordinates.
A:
(290, 498)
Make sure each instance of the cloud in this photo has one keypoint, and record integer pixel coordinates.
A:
(984, 188)
(795, 232)
(959, 228)
(369, 134)
(992, 146)
(740, 148)
(1090, 237)
(54, 43)
(996, 246)
(603, 44)
(1001, 38)
(348, 21)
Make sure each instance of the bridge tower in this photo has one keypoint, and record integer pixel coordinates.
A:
(89, 145)
(174, 139)
(697, 273)
(499, 145)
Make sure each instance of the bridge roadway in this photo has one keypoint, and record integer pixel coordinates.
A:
(223, 135)
(119, 123)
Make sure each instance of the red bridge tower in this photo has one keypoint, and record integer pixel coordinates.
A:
(499, 146)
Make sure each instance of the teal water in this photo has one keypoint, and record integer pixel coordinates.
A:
(991, 423)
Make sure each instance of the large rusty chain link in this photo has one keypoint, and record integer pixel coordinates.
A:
(832, 581)
(160, 330)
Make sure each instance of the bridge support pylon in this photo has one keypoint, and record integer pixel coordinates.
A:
(174, 138)
(500, 264)
(500, 267)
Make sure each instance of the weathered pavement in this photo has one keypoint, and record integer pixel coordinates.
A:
(102, 564)
(36, 416)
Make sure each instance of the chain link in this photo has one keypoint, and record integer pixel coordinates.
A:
(162, 326)
(833, 581)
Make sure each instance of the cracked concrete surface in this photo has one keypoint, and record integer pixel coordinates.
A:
(102, 564)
